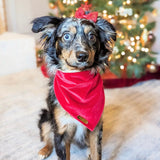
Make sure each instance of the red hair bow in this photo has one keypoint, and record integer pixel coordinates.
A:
(84, 12)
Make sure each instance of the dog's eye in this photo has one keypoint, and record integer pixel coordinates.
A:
(92, 37)
(67, 36)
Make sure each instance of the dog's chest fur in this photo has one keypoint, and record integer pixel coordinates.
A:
(71, 128)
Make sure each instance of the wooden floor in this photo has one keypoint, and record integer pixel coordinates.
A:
(131, 120)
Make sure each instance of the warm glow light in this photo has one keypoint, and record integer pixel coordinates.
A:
(110, 3)
(129, 47)
(121, 67)
(123, 53)
(136, 15)
(133, 43)
(109, 58)
(141, 25)
(129, 58)
(104, 12)
(134, 60)
(129, 27)
(143, 49)
(104, 15)
(68, 1)
(132, 49)
(132, 38)
(110, 16)
(137, 37)
(64, 1)
(84, 0)
(128, 1)
(146, 50)
(72, 2)
(118, 56)
(124, 3)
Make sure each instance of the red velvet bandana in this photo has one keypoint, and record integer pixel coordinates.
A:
(81, 94)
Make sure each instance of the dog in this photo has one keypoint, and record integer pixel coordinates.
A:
(71, 45)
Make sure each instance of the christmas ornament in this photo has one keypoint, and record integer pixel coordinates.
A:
(152, 68)
(151, 37)
(137, 46)
(144, 37)
(144, 20)
(52, 6)
(124, 11)
(154, 12)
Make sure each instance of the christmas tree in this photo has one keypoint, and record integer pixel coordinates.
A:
(132, 54)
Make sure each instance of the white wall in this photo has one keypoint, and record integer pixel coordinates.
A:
(21, 12)
(156, 46)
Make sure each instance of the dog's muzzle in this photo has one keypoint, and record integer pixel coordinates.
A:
(82, 56)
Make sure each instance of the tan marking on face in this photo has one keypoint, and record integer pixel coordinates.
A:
(87, 29)
(72, 29)
(70, 57)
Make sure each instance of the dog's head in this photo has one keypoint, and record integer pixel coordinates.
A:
(75, 44)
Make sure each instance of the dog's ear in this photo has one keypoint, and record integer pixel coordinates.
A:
(47, 22)
(107, 33)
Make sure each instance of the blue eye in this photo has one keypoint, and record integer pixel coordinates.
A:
(67, 37)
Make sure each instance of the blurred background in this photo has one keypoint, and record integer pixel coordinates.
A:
(137, 23)
(131, 116)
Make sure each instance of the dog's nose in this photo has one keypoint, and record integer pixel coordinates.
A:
(82, 56)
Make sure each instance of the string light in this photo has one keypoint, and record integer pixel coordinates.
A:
(124, 3)
(104, 15)
(64, 1)
(133, 43)
(134, 60)
(141, 25)
(136, 15)
(146, 50)
(104, 12)
(137, 38)
(129, 47)
(132, 38)
(110, 3)
(109, 16)
(129, 26)
(68, 1)
(72, 2)
(109, 58)
(123, 53)
(128, 1)
(132, 49)
(118, 56)
(129, 58)
(143, 49)
(122, 67)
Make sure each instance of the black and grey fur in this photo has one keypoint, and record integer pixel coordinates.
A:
(71, 45)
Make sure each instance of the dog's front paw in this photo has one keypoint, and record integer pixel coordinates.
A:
(45, 152)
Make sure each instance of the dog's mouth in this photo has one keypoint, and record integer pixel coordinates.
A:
(79, 65)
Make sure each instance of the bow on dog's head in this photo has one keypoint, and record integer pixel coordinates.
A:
(75, 43)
